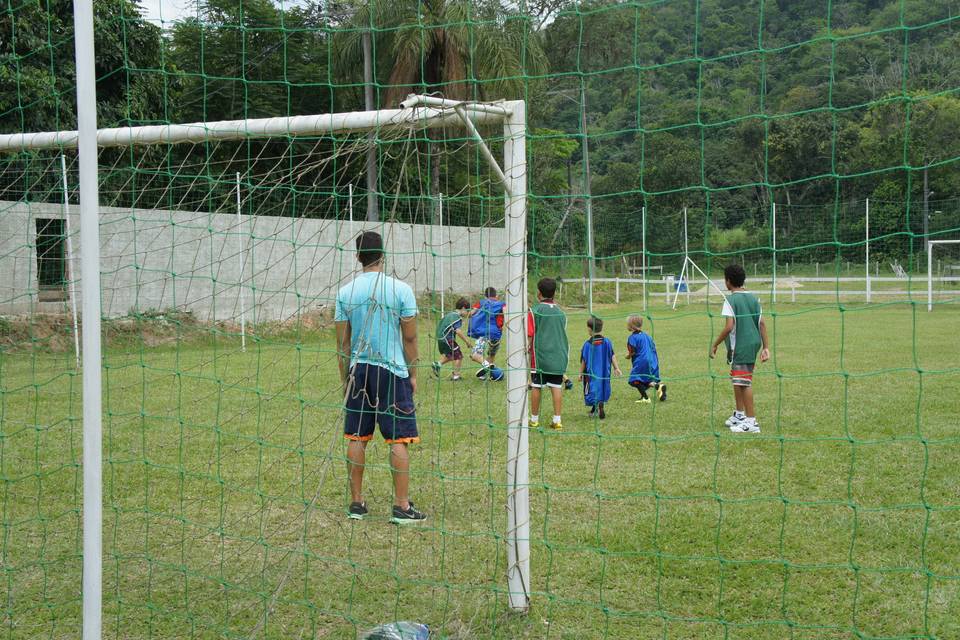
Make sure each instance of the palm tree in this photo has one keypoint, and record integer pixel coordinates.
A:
(462, 49)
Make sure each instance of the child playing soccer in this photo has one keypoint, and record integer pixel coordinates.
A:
(486, 325)
(596, 360)
(448, 329)
(547, 326)
(745, 334)
(645, 369)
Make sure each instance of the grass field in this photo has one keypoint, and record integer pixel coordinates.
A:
(225, 493)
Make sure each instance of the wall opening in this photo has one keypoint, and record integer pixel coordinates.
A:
(51, 259)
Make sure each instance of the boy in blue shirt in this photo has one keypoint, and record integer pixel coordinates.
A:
(645, 372)
(596, 361)
(486, 326)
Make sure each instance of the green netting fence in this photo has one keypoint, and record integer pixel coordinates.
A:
(663, 134)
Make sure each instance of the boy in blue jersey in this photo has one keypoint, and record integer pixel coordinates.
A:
(645, 369)
(486, 326)
(596, 361)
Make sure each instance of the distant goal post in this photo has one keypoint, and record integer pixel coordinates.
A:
(931, 247)
(416, 113)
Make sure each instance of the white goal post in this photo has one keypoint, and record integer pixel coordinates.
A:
(415, 113)
(930, 245)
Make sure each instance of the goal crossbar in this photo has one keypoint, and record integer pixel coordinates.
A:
(417, 116)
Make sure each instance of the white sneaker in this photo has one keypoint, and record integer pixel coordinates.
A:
(733, 420)
(746, 426)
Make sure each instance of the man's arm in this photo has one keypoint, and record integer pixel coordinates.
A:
(411, 351)
(765, 352)
(722, 335)
(343, 348)
(463, 337)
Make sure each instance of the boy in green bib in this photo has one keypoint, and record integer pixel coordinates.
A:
(547, 329)
(745, 334)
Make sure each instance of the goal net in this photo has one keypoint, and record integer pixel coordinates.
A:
(223, 247)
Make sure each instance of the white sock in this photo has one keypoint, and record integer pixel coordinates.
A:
(534, 418)
(556, 419)
(486, 363)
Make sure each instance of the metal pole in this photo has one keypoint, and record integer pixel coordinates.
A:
(440, 207)
(868, 249)
(350, 204)
(90, 274)
(643, 251)
(774, 236)
(71, 272)
(929, 276)
(373, 213)
(243, 269)
(685, 276)
(589, 204)
(518, 462)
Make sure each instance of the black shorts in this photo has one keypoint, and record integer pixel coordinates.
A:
(450, 349)
(538, 379)
(378, 396)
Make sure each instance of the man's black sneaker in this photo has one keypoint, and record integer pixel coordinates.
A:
(481, 373)
(662, 392)
(357, 510)
(401, 516)
(603, 415)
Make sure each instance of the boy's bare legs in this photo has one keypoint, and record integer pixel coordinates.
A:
(738, 396)
(557, 400)
(535, 401)
(747, 394)
(356, 459)
(457, 364)
(400, 468)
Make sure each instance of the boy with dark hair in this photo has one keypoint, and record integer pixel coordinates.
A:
(745, 334)
(596, 361)
(376, 320)
(486, 325)
(547, 326)
(448, 329)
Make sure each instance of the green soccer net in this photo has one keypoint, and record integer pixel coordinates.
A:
(811, 142)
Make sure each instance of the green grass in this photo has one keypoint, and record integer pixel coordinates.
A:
(225, 493)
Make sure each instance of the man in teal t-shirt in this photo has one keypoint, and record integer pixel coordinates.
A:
(376, 318)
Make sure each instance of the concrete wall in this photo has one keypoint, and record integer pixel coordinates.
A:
(154, 259)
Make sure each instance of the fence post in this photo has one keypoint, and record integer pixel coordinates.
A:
(617, 295)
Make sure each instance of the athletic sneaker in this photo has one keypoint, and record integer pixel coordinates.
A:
(662, 392)
(602, 413)
(746, 426)
(643, 400)
(556, 426)
(357, 510)
(481, 373)
(401, 516)
(455, 378)
(436, 369)
(734, 419)
(533, 424)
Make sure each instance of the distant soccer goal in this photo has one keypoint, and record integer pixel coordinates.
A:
(223, 245)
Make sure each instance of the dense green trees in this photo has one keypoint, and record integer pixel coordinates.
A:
(720, 106)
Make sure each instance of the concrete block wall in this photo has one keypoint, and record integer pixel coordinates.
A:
(211, 265)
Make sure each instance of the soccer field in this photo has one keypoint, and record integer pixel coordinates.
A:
(225, 495)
